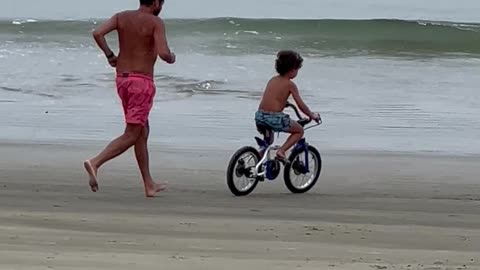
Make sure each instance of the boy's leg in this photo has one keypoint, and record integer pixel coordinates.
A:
(141, 154)
(114, 149)
(296, 132)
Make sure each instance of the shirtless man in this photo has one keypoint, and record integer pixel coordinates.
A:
(142, 38)
(278, 90)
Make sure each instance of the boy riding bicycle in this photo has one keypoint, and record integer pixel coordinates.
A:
(270, 117)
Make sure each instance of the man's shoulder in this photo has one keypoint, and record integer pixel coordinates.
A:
(157, 20)
(154, 21)
(150, 18)
(125, 12)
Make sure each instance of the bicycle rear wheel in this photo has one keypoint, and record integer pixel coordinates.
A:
(240, 179)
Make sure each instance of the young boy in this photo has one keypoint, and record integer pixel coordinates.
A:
(278, 90)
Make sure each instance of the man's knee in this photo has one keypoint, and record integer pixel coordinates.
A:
(133, 132)
(144, 134)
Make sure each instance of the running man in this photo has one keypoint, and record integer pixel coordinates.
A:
(142, 38)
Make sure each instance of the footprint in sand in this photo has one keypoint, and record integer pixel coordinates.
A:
(379, 267)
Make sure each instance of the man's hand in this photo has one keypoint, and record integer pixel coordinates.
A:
(113, 61)
(172, 59)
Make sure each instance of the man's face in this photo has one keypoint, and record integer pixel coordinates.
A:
(157, 7)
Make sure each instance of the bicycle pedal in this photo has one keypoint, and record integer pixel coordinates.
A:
(282, 160)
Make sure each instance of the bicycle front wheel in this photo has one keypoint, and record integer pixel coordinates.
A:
(300, 178)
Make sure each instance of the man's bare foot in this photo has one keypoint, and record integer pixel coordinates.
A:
(151, 191)
(92, 174)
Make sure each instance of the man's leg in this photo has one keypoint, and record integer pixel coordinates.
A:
(114, 149)
(141, 153)
(296, 132)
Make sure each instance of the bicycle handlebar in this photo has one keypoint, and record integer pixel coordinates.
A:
(302, 121)
(294, 109)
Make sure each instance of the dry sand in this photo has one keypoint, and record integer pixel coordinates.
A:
(368, 211)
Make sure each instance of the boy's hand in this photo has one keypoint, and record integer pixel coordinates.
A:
(315, 117)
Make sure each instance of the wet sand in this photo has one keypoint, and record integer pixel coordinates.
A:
(370, 210)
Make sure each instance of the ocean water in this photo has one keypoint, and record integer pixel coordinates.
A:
(402, 76)
(437, 10)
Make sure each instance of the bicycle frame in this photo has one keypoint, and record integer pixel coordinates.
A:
(266, 156)
(302, 145)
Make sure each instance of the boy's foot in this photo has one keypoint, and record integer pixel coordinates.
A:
(92, 173)
(280, 156)
(152, 190)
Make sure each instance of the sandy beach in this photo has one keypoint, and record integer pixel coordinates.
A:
(396, 83)
(370, 210)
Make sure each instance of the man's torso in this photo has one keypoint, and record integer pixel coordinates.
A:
(137, 45)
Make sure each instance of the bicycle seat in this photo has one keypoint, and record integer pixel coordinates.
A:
(267, 133)
(263, 129)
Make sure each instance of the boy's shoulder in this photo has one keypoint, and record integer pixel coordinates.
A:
(279, 83)
(281, 80)
(287, 84)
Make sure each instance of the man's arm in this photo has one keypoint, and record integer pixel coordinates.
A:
(298, 99)
(100, 33)
(161, 44)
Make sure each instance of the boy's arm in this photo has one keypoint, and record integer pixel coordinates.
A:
(301, 105)
(100, 33)
(161, 44)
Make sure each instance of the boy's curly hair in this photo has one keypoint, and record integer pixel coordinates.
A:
(149, 2)
(287, 60)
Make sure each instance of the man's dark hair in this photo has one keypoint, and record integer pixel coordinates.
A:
(149, 2)
(287, 61)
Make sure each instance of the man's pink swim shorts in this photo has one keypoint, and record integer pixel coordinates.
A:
(136, 92)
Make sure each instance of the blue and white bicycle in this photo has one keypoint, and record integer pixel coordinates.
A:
(302, 169)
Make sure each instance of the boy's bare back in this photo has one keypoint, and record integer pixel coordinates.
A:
(276, 94)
